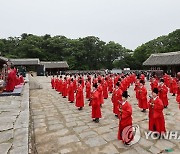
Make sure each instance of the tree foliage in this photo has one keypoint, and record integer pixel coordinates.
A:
(162, 44)
(86, 53)
(83, 53)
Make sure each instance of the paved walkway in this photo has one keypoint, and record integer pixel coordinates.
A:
(60, 128)
(14, 123)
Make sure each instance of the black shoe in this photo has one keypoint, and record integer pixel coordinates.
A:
(165, 106)
(101, 105)
(173, 95)
(80, 108)
(144, 110)
(126, 144)
(94, 119)
(71, 102)
(64, 97)
(116, 115)
(97, 120)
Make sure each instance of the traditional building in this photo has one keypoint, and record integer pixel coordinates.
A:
(3, 61)
(34, 64)
(55, 67)
(168, 62)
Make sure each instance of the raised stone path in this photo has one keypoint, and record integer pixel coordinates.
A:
(14, 123)
(58, 127)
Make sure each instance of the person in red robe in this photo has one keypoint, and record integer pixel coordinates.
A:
(56, 83)
(142, 101)
(69, 79)
(88, 89)
(154, 83)
(95, 80)
(142, 77)
(60, 85)
(115, 80)
(136, 88)
(124, 83)
(173, 86)
(11, 80)
(100, 90)
(75, 83)
(71, 91)
(116, 97)
(163, 90)
(156, 116)
(105, 89)
(82, 79)
(110, 85)
(125, 118)
(178, 93)
(79, 96)
(166, 79)
(64, 88)
(94, 103)
(18, 81)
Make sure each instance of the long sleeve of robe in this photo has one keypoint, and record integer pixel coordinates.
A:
(125, 119)
(79, 97)
(156, 117)
(142, 103)
(96, 109)
(163, 90)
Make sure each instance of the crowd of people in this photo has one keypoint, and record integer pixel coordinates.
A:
(98, 87)
(13, 79)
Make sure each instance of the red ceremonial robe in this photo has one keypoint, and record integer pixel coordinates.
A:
(100, 90)
(173, 86)
(142, 101)
(82, 82)
(18, 81)
(21, 79)
(60, 85)
(110, 85)
(79, 97)
(142, 77)
(116, 97)
(105, 90)
(178, 96)
(96, 109)
(163, 90)
(11, 79)
(88, 90)
(125, 118)
(64, 88)
(136, 88)
(156, 117)
(154, 84)
(74, 85)
(95, 80)
(71, 92)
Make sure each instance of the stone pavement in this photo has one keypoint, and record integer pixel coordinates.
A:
(14, 123)
(60, 128)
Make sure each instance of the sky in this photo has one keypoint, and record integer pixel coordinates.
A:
(127, 22)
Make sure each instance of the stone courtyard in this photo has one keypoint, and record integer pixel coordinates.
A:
(14, 123)
(45, 123)
(58, 127)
